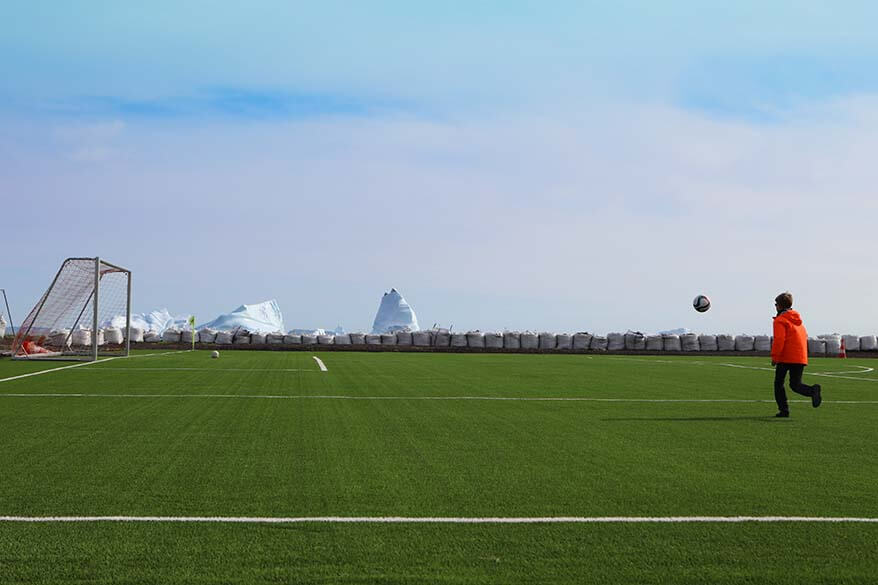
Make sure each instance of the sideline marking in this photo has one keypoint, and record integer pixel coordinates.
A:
(865, 370)
(100, 361)
(217, 369)
(350, 397)
(440, 520)
(320, 363)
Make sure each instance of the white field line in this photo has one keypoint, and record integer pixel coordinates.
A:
(863, 369)
(443, 520)
(450, 398)
(101, 361)
(218, 369)
(320, 363)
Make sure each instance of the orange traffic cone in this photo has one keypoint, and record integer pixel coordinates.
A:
(842, 353)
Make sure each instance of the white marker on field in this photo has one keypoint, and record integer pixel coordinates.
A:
(320, 363)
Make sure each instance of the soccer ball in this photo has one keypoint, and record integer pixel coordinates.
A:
(701, 303)
(214, 354)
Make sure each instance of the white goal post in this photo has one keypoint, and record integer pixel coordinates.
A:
(85, 313)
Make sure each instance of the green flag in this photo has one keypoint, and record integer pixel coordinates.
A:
(192, 324)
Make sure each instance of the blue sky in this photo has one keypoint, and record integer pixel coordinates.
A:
(562, 166)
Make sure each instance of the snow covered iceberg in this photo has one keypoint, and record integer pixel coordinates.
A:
(263, 317)
(394, 314)
(159, 321)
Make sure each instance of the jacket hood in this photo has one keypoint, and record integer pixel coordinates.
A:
(791, 316)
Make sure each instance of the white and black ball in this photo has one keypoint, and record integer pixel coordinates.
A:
(701, 303)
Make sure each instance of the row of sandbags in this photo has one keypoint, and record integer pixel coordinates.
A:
(631, 341)
(83, 337)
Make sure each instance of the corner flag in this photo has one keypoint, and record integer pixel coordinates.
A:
(192, 325)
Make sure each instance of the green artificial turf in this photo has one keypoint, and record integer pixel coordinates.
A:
(401, 434)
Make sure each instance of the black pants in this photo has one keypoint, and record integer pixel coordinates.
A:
(780, 373)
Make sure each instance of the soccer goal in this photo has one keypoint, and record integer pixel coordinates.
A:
(85, 313)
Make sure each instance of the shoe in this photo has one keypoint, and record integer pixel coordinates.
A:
(816, 399)
(782, 414)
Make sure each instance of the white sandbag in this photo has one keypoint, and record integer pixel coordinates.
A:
(635, 341)
(372, 339)
(598, 343)
(388, 339)
(241, 337)
(442, 339)
(114, 336)
(326, 340)
(152, 337)
(563, 341)
(762, 343)
(60, 338)
(833, 344)
(707, 342)
(494, 340)
(274, 338)
(868, 343)
(581, 340)
(343, 339)
(547, 340)
(81, 338)
(689, 342)
(404, 338)
(671, 342)
(655, 343)
(615, 341)
(816, 346)
(475, 339)
(512, 340)
(289, 339)
(136, 334)
(358, 339)
(422, 339)
(725, 342)
(529, 340)
(171, 336)
(458, 340)
(851, 342)
(744, 343)
(257, 338)
(186, 336)
(208, 335)
(101, 339)
(309, 339)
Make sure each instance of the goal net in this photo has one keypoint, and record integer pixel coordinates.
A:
(85, 313)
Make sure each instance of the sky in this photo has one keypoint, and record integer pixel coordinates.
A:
(553, 166)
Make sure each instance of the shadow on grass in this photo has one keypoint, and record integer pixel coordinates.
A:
(770, 418)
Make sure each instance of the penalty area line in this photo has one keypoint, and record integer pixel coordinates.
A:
(100, 361)
(320, 363)
(440, 520)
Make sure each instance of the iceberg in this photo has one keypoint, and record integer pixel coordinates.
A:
(159, 321)
(262, 317)
(394, 314)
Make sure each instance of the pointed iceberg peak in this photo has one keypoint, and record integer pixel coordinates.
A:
(394, 314)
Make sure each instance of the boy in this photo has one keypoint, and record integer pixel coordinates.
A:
(789, 353)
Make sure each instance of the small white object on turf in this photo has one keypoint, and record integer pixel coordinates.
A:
(214, 354)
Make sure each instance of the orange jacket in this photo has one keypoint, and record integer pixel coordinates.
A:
(790, 339)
